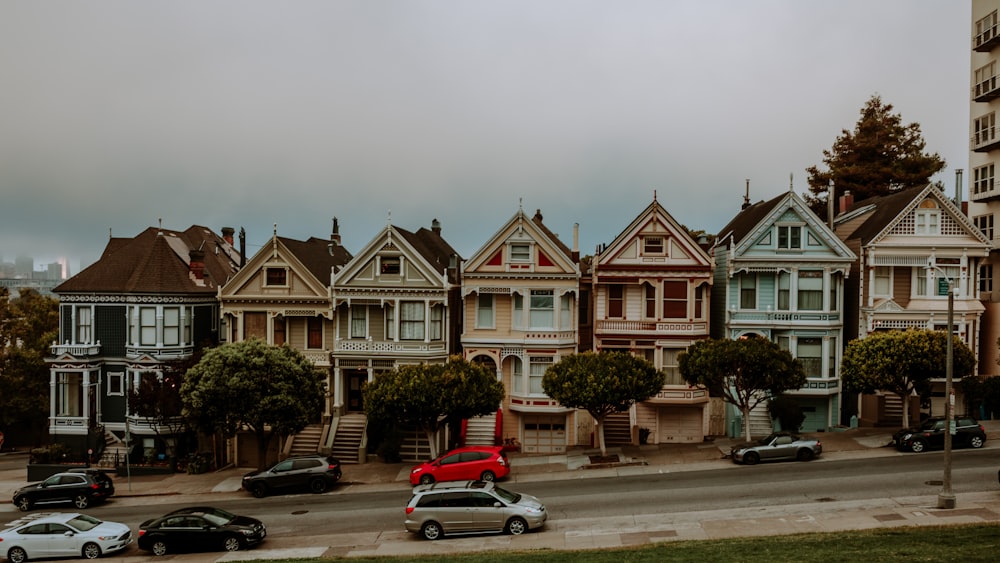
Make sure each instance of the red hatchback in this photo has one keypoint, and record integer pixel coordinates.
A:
(475, 463)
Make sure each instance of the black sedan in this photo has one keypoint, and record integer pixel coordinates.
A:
(200, 528)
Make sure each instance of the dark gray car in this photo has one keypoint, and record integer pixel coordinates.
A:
(313, 472)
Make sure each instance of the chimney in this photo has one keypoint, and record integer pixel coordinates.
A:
(197, 264)
(227, 235)
(846, 202)
(958, 187)
(243, 247)
(576, 240)
(436, 227)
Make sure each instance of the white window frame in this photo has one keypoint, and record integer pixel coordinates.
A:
(654, 245)
(116, 384)
(437, 323)
(147, 326)
(358, 322)
(267, 276)
(516, 375)
(811, 344)
(748, 277)
(412, 320)
(985, 225)
(785, 238)
(390, 266)
(84, 325)
(806, 288)
(565, 311)
(986, 278)
(520, 252)
(172, 326)
(927, 221)
(886, 275)
(983, 178)
(537, 365)
(485, 311)
(542, 313)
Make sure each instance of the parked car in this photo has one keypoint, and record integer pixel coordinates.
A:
(315, 472)
(777, 446)
(79, 488)
(62, 535)
(200, 528)
(461, 507)
(468, 463)
(930, 434)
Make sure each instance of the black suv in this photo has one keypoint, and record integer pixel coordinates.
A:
(930, 434)
(316, 472)
(79, 488)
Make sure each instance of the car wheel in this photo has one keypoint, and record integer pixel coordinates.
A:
(751, 458)
(159, 547)
(231, 543)
(17, 555)
(805, 454)
(81, 501)
(426, 479)
(431, 530)
(317, 485)
(917, 446)
(259, 490)
(23, 504)
(976, 441)
(91, 551)
(516, 526)
(488, 476)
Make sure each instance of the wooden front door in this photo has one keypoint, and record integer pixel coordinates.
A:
(355, 401)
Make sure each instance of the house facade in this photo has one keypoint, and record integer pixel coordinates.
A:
(397, 302)
(780, 274)
(282, 297)
(521, 304)
(146, 301)
(911, 245)
(651, 287)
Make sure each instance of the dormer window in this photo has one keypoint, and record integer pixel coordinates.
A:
(389, 265)
(275, 277)
(520, 252)
(927, 218)
(789, 237)
(653, 246)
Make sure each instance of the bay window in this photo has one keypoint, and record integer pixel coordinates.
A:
(411, 320)
(810, 293)
(541, 314)
(484, 311)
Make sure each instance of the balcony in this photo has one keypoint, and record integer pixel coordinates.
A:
(650, 328)
(986, 41)
(159, 352)
(818, 387)
(79, 350)
(787, 317)
(985, 140)
(679, 395)
(69, 424)
(142, 426)
(985, 190)
(988, 89)
(390, 347)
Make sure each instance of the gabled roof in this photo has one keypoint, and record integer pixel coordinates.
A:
(522, 228)
(426, 250)
(157, 261)
(884, 212)
(654, 217)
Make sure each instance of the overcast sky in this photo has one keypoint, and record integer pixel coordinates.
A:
(249, 114)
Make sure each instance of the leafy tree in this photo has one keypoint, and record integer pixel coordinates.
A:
(602, 384)
(272, 390)
(745, 372)
(902, 362)
(28, 326)
(158, 397)
(881, 156)
(431, 396)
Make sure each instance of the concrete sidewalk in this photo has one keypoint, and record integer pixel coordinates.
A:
(572, 533)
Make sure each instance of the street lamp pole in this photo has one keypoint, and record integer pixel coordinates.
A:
(946, 498)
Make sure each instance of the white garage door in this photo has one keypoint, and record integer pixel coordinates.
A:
(680, 424)
(544, 434)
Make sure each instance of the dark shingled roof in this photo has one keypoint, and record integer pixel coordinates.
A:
(317, 255)
(747, 219)
(430, 245)
(155, 262)
(886, 209)
(537, 220)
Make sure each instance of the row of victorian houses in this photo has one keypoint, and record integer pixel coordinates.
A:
(522, 302)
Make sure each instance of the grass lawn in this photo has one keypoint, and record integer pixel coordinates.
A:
(965, 543)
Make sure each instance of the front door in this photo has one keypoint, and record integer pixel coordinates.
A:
(355, 400)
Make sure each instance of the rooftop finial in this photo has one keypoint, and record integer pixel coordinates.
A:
(791, 181)
(654, 195)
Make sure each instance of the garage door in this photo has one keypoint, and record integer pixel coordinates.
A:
(680, 424)
(544, 434)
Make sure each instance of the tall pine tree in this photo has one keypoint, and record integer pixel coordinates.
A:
(881, 156)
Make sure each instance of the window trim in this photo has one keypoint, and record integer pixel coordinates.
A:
(276, 276)
(520, 252)
(116, 384)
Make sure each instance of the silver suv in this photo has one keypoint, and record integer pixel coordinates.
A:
(462, 507)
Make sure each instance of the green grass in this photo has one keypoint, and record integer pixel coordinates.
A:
(965, 543)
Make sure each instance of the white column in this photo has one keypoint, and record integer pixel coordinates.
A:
(427, 321)
(86, 395)
(53, 389)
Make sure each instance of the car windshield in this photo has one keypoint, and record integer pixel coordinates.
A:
(768, 440)
(82, 522)
(506, 495)
(218, 516)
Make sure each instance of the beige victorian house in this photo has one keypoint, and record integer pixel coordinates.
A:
(521, 291)
(910, 245)
(282, 296)
(651, 290)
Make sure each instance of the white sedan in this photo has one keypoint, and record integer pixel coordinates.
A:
(62, 535)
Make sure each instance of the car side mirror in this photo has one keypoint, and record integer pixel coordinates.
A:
(497, 504)
(68, 533)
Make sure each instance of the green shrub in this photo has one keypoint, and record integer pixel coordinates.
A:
(787, 412)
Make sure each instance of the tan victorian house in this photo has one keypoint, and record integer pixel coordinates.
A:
(521, 291)
(651, 289)
(395, 303)
(911, 246)
(282, 296)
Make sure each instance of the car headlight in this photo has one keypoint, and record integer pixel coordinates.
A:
(416, 470)
(532, 510)
(907, 436)
(246, 532)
